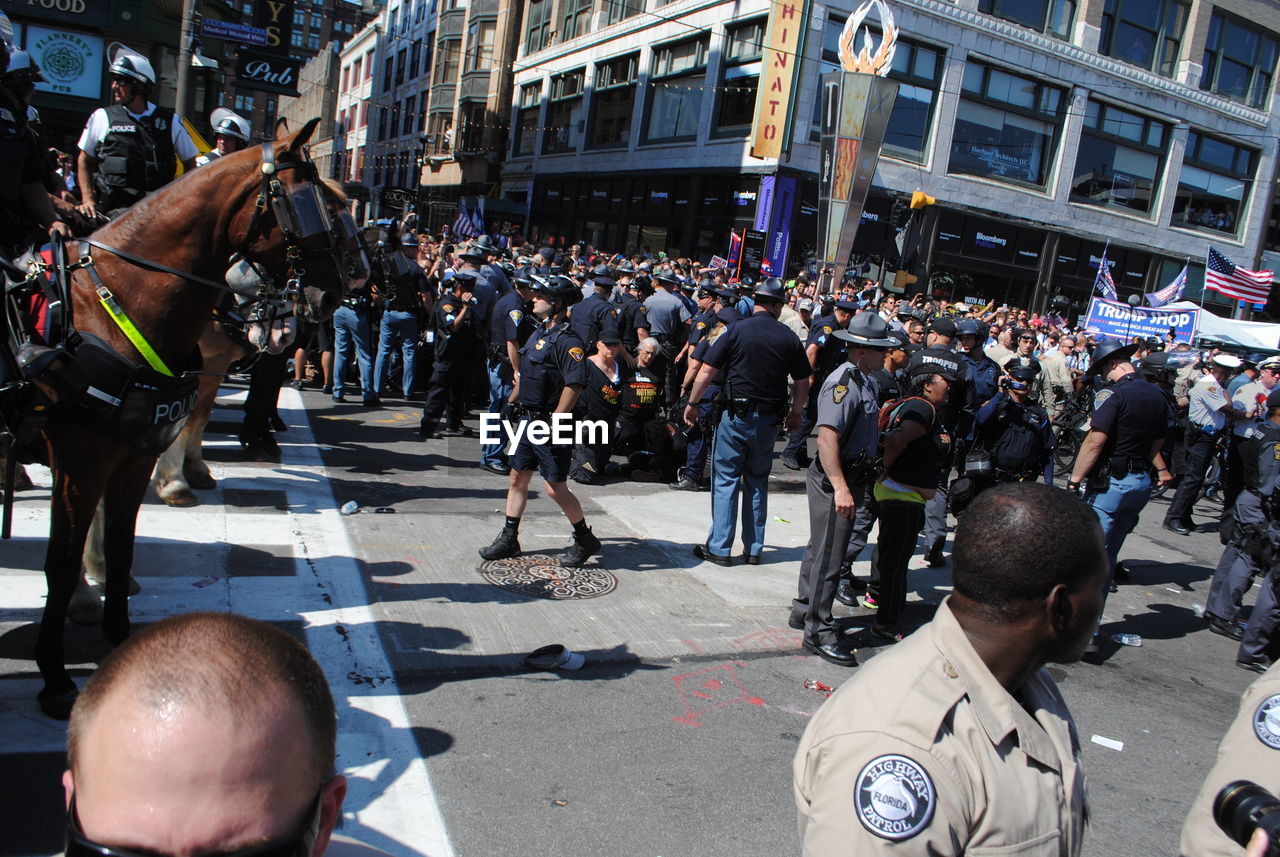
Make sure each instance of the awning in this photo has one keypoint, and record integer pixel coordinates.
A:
(1248, 335)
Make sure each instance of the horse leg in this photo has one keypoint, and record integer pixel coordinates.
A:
(86, 604)
(125, 489)
(74, 497)
(193, 467)
(21, 480)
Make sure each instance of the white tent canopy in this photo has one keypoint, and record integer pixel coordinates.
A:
(1249, 335)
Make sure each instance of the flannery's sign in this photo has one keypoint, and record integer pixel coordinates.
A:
(267, 73)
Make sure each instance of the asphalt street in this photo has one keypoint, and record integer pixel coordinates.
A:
(676, 737)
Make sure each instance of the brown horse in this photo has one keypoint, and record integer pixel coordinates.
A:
(263, 204)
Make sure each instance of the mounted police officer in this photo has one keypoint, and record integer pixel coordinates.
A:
(22, 193)
(848, 434)
(129, 149)
(230, 134)
(756, 356)
(596, 311)
(825, 353)
(509, 329)
(552, 374)
(457, 344)
(1131, 418)
(402, 284)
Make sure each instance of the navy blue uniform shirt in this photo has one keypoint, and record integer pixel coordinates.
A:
(1132, 412)
(550, 361)
(756, 356)
(511, 320)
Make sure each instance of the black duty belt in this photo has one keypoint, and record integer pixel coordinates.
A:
(744, 407)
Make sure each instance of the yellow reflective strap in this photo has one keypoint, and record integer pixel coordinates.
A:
(126, 324)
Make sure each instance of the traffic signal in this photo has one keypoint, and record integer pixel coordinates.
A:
(920, 199)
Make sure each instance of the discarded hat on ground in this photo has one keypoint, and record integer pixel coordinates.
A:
(554, 657)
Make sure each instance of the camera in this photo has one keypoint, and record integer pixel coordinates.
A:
(1242, 807)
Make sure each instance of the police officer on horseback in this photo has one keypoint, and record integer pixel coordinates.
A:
(22, 193)
(230, 134)
(128, 150)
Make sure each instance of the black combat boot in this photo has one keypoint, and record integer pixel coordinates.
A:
(585, 545)
(505, 545)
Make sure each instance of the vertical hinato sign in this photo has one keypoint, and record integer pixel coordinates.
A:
(783, 46)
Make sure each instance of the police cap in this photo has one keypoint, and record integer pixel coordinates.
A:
(943, 327)
(866, 331)
(1154, 364)
(728, 315)
(601, 276)
(725, 295)
(771, 289)
(932, 361)
(1109, 348)
(846, 305)
(1273, 400)
(747, 284)
(609, 336)
(1227, 361)
(1022, 371)
(1272, 363)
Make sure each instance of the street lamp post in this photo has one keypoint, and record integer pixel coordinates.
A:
(1133, 300)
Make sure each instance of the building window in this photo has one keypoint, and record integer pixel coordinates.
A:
(1119, 160)
(1239, 60)
(676, 84)
(244, 104)
(739, 80)
(297, 38)
(1006, 126)
(364, 115)
(1213, 186)
(317, 21)
(447, 61)
(382, 124)
(410, 113)
(299, 18)
(620, 10)
(564, 113)
(313, 41)
(473, 126)
(918, 70)
(1145, 33)
(402, 60)
(539, 34)
(527, 119)
(614, 101)
(414, 55)
(480, 46)
(346, 78)
(368, 64)
(388, 70)
(440, 133)
(355, 72)
(1044, 16)
(577, 19)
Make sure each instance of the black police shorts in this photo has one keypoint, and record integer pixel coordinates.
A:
(550, 460)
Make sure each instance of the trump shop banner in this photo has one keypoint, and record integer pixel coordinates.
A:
(1113, 318)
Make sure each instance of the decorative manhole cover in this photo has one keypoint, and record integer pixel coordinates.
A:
(541, 576)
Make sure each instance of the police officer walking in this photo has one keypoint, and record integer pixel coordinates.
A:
(1131, 418)
(756, 354)
(552, 374)
(1208, 410)
(848, 433)
(509, 329)
(957, 737)
(128, 150)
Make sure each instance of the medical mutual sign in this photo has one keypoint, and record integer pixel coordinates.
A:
(1112, 318)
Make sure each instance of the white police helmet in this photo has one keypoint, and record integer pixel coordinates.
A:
(22, 68)
(33, 115)
(230, 124)
(127, 62)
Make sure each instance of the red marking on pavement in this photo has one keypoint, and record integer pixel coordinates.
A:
(694, 646)
(783, 640)
(724, 689)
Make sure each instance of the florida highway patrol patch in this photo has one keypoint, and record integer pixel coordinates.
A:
(1266, 722)
(894, 797)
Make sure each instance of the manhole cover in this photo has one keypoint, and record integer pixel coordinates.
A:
(540, 576)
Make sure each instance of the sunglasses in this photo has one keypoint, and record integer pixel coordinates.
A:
(297, 844)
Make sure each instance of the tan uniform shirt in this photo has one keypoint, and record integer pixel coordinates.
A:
(1054, 372)
(998, 354)
(924, 752)
(1249, 751)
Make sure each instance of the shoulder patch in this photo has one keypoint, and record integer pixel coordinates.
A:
(1266, 722)
(826, 328)
(894, 797)
(838, 392)
(1102, 397)
(1276, 450)
(701, 325)
(576, 353)
(515, 315)
(541, 344)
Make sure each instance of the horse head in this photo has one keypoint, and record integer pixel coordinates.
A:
(300, 227)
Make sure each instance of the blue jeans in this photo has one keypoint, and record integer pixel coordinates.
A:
(740, 462)
(1118, 508)
(352, 329)
(499, 389)
(398, 328)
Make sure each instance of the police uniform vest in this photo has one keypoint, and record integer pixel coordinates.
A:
(1017, 439)
(135, 157)
(986, 376)
(15, 154)
(542, 367)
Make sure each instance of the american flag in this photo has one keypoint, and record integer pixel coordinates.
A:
(1221, 275)
(1103, 282)
(464, 224)
(1170, 293)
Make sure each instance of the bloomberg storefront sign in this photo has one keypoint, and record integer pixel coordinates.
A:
(267, 73)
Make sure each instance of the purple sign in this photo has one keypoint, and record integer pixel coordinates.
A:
(779, 240)
(764, 205)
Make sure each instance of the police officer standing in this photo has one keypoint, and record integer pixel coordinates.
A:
(509, 329)
(756, 355)
(825, 352)
(1013, 430)
(596, 311)
(957, 417)
(633, 323)
(353, 332)
(848, 433)
(128, 150)
(958, 737)
(402, 285)
(668, 317)
(457, 349)
(552, 374)
(1131, 418)
(1208, 411)
(986, 374)
(230, 134)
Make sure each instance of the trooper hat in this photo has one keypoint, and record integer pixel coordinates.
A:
(1273, 400)
(1109, 348)
(665, 276)
(725, 295)
(867, 330)
(485, 244)
(228, 123)
(602, 277)
(127, 62)
(771, 289)
(625, 268)
(474, 252)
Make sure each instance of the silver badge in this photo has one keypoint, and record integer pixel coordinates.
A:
(1266, 722)
(894, 797)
